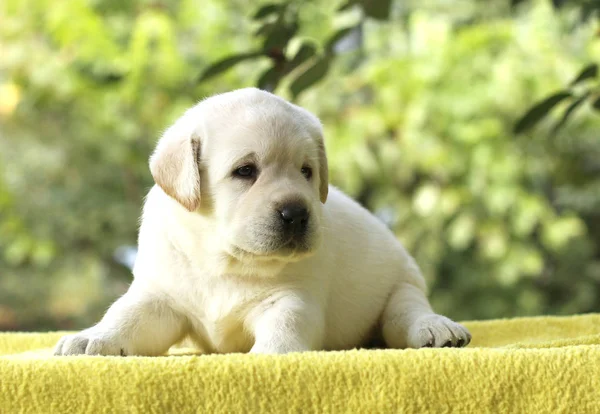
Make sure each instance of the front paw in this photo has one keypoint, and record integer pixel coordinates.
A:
(278, 347)
(437, 331)
(91, 342)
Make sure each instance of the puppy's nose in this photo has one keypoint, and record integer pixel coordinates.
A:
(294, 216)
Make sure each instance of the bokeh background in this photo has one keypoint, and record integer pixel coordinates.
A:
(419, 99)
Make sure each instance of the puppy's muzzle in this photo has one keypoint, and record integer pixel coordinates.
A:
(294, 219)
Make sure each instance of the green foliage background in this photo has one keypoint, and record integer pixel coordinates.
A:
(419, 128)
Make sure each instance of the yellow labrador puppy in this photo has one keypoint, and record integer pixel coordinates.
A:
(244, 247)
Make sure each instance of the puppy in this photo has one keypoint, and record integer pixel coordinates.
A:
(244, 247)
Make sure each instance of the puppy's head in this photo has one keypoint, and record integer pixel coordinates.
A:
(253, 163)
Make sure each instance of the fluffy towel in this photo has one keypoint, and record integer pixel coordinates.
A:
(527, 365)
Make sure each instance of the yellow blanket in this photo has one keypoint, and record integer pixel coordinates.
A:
(527, 365)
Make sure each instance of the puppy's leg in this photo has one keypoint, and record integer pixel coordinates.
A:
(409, 322)
(289, 324)
(136, 324)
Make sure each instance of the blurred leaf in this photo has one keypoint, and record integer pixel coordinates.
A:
(279, 35)
(101, 76)
(589, 9)
(269, 79)
(567, 113)
(265, 29)
(306, 51)
(596, 104)
(532, 261)
(10, 95)
(556, 234)
(311, 76)
(43, 253)
(558, 3)
(266, 10)
(227, 63)
(426, 199)
(349, 4)
(18, 251)
(333, 40)
(377, 9)
(461, 231)
(589, 72)
(539, 111)
(494, 242)
(528, 212)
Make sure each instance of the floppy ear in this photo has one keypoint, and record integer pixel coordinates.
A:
(174, 167)
(323, 172)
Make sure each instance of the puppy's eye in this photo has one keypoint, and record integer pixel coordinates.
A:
(247, 171)
(306, 172)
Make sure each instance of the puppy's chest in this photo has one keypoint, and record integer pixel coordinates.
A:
(218, 310)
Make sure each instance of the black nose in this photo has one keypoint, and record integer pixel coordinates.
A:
(295, 217)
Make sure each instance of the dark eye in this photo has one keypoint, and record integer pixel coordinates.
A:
(247, 171)
(306, 172)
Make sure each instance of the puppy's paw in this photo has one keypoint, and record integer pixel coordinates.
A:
(278, 347)
(91, 342)
(437, 331)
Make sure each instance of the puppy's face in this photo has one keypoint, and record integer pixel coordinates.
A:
(264, 179)
(256, 166)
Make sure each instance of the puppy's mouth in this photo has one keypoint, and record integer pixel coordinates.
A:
(288, 250)
(292, 242)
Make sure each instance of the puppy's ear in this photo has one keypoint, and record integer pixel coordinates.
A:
(174, 167)
(323, 172)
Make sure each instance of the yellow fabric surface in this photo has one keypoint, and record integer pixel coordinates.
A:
(526, 365)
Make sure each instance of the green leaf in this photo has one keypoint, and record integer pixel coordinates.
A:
(279, 35)
(349, 4)
(227, 63)
(338, 36)
(100, 74)
(269, 80)
(596, 104)
(266, 10)
(589, 9)
(539, 111)
(461, 231)
(588, 72)
(377, 9)
(311, 76)
(567, 113)
(264, 29)
(306, 51)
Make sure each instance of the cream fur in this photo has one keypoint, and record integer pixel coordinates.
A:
(212, 265)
